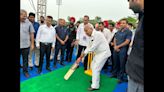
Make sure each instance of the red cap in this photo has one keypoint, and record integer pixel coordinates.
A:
(106, 23)
(72, 19)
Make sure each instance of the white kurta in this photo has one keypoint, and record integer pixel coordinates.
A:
(99, 45)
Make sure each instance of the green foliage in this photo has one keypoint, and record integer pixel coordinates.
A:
(54, 22)
(111, 22)
(131, 20)
(99, 19)
(93, 21)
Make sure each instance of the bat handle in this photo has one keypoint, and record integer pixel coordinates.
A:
(75, 66)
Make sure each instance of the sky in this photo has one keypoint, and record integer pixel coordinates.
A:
(106, 9)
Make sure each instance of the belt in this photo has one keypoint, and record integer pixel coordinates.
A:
(45, 43)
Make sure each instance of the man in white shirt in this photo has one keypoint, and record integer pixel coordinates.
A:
(97, 26)
(111, 45)
(42, 20)
(99, 46)
(45, 40)
(82, 39)
(108, 35)
(130, 26)
(112, 29)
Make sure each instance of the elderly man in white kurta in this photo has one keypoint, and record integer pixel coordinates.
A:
(99, 46)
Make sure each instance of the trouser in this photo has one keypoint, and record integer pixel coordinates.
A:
(134, 86)
(57, 48)
(45, 48)
(24, 52)
(119, 63)
(96, 66)
(69, 51)
(52, 54)
(37, 54)
(106, 64)
(111, 57)
(80, 48)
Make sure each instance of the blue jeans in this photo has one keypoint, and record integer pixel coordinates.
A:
(134, 86)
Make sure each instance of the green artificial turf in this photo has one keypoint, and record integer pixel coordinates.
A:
(54, 82)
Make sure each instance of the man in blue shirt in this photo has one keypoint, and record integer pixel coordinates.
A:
(121, 44)
(31, 18)
(61, 39)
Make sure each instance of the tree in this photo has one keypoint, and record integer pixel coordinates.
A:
(111, 22)
(93, 21)
(98, 19)
(131, 20)
(54, 22)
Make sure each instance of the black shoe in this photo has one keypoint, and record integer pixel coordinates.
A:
(92, 89)
(26, 74)
(36, 66)
(69, 60)
(120, 81)
(62, 64)
(125, 80)
(55, 66)
(39, 71)
(48, 69)
(66, 59)
(31, 68)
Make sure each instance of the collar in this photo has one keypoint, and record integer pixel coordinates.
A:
(25, 21)
(48, 27)
(93, 33)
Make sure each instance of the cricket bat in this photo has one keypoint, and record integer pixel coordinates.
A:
(72, 69)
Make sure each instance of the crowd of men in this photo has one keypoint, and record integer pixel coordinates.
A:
(115, 46)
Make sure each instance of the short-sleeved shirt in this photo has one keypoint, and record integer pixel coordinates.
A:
(62, 32)
(26, 28)
(121, 36)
